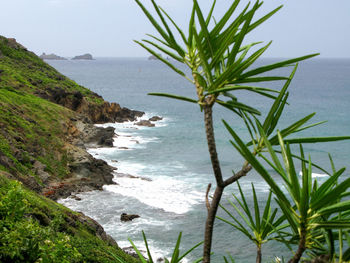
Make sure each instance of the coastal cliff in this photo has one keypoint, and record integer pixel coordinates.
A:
(46, 122)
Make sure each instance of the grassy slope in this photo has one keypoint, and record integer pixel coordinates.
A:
(36, 229)
(31, 127)
(34, 126)
(33, 227)
(26, 71)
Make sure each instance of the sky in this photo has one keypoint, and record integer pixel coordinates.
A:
(107, 28)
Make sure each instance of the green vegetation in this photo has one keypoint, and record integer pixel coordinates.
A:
(221, 65)
(34, 130)
(36, 229)
(25, 71)
(32, 125)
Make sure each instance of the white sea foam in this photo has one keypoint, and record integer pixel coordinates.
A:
(164, 193)
(130, 125)
(156, 252)
(315, 175)
(132, 168)
(171, 196)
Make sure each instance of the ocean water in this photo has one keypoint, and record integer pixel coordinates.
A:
(170, 162)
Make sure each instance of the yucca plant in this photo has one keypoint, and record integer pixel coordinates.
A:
(228, 259)
(307, 206)
(259, 228)
(175, 257)
(220, 64)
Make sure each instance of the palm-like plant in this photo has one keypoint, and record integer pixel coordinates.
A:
(307, 206)
(220, 64)
(258, 228)
(175, 257)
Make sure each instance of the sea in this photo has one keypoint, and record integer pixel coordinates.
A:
(167, 168)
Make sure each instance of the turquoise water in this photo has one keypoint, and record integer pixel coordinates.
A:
(174, 153)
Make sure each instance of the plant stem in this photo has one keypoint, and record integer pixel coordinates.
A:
(258, 254)
(209, 224)
(301, 247)
(220, 184)
(209, 129)
(213, 207)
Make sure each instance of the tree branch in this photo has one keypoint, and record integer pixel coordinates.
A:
(207, 198)
(243, 172)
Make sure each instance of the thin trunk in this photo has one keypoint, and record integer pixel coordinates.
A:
(213, 206)
(220, 183)
(209, 130)
(301, 247)
(209, 224)
(258, 254)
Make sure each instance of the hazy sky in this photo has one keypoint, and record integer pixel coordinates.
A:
(107, 27)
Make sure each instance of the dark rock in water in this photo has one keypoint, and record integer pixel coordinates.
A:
(86, 56)
(146, 123)
(134, 177)
(123, 148)
(155, 118)
(75, 197)
(51, 57)
(125, 217)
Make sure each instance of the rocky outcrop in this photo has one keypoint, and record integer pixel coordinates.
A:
(124, 217)
(12, 43)
(97, 113)
(108, 112)
(84, 57)
(145, 123)
(86, 172)
(51, 57)
(133, 177)
(155, 118)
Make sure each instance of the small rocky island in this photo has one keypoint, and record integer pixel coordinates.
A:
(86, 56)
(152, 57)
(51, 56)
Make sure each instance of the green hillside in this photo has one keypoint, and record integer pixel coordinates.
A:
(39, 112)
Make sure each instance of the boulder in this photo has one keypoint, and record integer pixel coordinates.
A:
(155, 118)
(125, 217)
(145, 123)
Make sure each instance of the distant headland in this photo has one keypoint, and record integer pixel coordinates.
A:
(85, 57)
(51, 56)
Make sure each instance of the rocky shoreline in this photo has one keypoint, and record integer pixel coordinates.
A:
(47, 123)
(87, 172)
